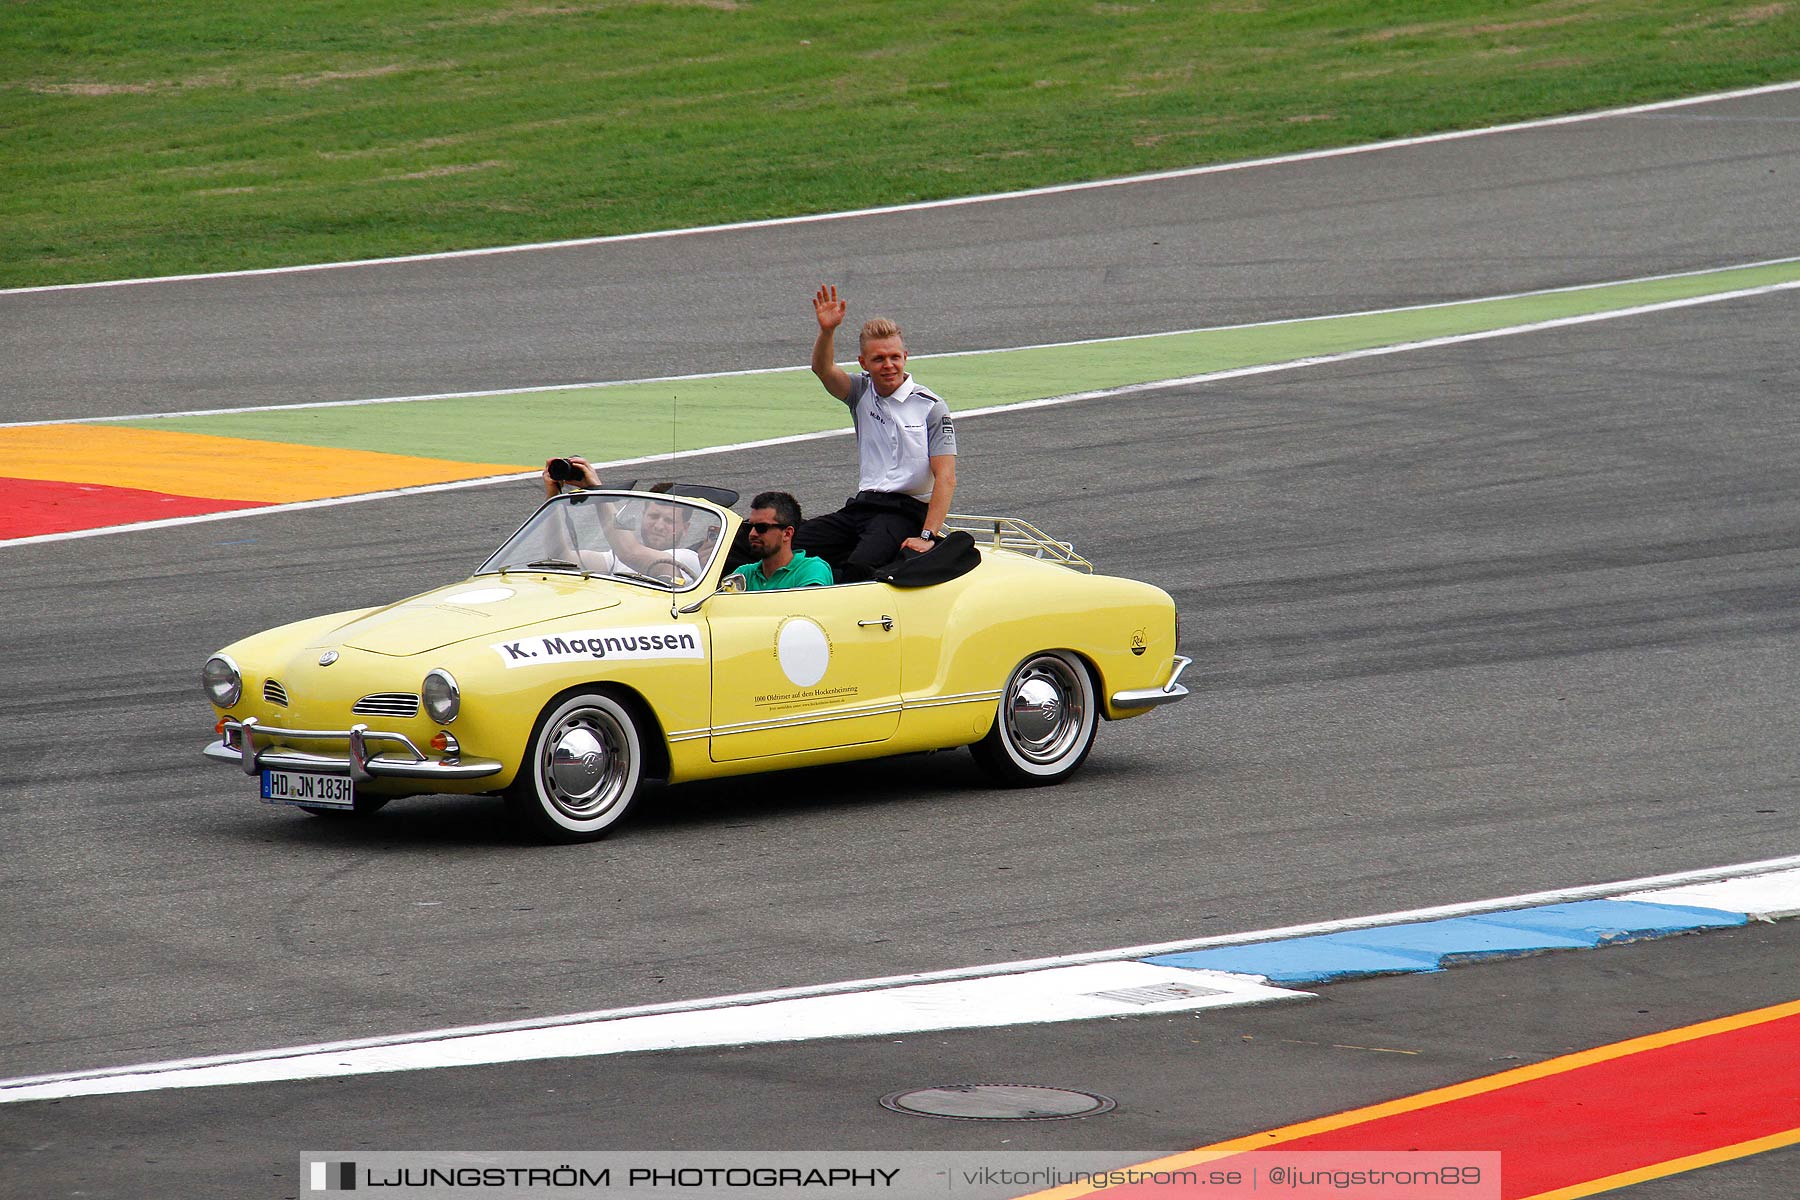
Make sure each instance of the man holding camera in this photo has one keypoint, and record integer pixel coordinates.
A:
(905, 444)
(653, 549)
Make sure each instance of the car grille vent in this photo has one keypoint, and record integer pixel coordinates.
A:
(387, 704)
(274, 693)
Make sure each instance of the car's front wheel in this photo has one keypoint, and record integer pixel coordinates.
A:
(1046, 722)
(581, 771)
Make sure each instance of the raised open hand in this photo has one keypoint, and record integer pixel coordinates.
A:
(828, 308)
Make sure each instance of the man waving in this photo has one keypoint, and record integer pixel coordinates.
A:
(905, 444)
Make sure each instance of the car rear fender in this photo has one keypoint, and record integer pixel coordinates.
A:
(1122, 630)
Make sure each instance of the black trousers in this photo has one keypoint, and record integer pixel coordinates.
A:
(864, 534)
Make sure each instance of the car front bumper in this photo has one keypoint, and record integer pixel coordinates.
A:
(249, 745)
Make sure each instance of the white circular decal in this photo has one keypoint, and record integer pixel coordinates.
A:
(479, 596)
(804, 651)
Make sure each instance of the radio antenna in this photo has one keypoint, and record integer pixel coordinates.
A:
(674, 424)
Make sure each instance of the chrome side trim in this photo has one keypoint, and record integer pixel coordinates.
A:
(959, 698)
(240, 746)
(836, 714)
(1168, 693)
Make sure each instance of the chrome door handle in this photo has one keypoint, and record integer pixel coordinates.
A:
(886, 622)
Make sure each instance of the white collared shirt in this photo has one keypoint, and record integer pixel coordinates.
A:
(897, 435)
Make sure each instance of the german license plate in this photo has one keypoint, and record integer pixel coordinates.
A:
(316, 791)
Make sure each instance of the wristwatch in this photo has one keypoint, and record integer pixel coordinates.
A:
(930, 535)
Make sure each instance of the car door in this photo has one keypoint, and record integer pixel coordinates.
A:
(803, 669)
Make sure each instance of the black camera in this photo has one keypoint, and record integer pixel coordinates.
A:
(564, 471)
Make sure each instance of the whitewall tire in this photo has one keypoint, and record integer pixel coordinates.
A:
(581, 771)
(1045, 725)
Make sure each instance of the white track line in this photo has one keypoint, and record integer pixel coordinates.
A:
(608, 1030)
(1635, 281)
(1069, 398)
(1037, 997)
(1380, 351)
(1774, 896)
(1057, 189)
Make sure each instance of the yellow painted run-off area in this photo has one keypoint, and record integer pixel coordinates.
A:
(217, 468)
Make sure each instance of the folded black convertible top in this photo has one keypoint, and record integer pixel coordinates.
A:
(949, 559)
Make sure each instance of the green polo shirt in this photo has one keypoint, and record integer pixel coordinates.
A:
(804, 571)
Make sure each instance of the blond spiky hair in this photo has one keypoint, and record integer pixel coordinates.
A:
(876, 328)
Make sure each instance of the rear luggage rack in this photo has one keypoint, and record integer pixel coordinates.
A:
(1019, 537)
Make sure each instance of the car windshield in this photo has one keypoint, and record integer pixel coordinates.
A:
(656, 541)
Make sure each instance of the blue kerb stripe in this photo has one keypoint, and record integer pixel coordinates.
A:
(1604, 922)
(1434, 945)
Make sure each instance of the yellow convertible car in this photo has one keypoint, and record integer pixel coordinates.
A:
(603, 644)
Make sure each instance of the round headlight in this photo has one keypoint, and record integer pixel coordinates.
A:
(443, 699)
(220, 680)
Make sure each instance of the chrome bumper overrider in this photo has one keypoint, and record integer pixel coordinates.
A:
(1168, 693)
(358, 762)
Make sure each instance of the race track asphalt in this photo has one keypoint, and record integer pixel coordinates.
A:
(1470, 621)
(1672, 190)
(1178, 1081)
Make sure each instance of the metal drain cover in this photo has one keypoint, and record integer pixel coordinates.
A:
(997, 1102)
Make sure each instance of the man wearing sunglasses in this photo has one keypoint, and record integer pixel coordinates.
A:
(776, 564)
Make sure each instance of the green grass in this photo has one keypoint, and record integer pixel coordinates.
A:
(146, 138)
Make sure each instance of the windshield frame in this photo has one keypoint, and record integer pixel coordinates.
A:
(566, 500)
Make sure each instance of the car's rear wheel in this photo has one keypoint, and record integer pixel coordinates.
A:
(581, 771)
(1046, 722)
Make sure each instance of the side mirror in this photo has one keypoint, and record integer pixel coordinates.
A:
(731, 583)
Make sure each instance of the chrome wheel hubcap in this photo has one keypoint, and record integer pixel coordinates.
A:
(1037, 710)
(586, 762)
(1045, 709)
